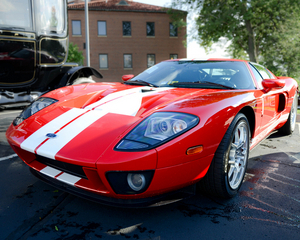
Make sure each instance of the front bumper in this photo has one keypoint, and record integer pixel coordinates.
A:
(155, 201)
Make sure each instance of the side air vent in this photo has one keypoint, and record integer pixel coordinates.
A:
(282, 103)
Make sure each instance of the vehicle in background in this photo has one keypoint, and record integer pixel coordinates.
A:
(34, 49)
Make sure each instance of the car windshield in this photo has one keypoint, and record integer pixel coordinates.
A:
(198, 74)
(15, 15)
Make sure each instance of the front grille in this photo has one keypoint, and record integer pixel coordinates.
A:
(65, 167)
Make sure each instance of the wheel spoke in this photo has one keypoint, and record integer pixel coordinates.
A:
(231, 162)
(235, 174)
(234, 145)
(242, 134)
(237, 167)
(236, 137)
(230, 171)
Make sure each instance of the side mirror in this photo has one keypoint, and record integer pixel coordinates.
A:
(268, 84)
(127, 77)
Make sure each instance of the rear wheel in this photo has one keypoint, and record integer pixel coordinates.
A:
(289, 127)
(227, 170)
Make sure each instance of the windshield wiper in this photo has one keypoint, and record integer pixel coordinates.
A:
(198, 84)
(218, 84)
(140, 82)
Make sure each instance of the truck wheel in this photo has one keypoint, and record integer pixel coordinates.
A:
(289, 127)
(227, 170)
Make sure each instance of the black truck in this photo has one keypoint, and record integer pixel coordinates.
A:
(34, 49)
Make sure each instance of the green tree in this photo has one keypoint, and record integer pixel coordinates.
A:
(74, 55)
(283, 54)
(253, 27)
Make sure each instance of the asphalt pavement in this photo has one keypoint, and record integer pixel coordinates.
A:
(267, 207)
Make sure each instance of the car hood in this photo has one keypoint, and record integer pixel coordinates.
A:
(90, 118)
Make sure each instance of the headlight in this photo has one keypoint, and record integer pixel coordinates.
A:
(33, 108)
(157, 129)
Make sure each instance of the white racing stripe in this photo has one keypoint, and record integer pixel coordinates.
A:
(64, 177)
(51, 172)
(73, 122)
(50, 148)
(127, 102)
(127, 105)
(115, 97)
(35, 139)
(68, 178)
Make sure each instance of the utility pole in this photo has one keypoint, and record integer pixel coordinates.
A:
(87, 34)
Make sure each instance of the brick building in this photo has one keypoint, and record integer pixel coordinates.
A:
(126, 37)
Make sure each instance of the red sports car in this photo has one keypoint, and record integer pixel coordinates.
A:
(177, 124)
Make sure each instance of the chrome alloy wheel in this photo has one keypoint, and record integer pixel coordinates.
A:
(238, 155)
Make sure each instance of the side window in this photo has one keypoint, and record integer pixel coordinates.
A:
(263, 71)
(49, 16)
(257, 75)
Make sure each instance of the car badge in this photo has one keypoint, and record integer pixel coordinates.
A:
(51, 135)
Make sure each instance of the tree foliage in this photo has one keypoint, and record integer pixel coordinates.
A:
(283, 53)
(266, 31)
(74, 55)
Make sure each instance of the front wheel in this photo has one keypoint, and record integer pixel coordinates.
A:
(227, 170)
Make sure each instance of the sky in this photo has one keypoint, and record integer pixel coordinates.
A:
(193, 48)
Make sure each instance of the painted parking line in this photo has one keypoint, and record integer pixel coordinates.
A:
(8, 157)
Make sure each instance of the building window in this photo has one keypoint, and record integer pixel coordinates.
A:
(150, 29)
(101, 28)
(76, 27)
(173, 56)
(173, 30)
(150, 60)
(126, 28)
(103, 61)
(127, 61)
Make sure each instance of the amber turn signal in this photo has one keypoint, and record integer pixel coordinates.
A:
(194, 150)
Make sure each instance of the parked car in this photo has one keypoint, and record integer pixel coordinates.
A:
(177, 124)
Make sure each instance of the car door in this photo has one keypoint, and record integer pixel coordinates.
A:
(269, 100)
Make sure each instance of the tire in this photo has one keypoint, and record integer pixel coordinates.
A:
(82, 80)
(289, 127)
(227, 170)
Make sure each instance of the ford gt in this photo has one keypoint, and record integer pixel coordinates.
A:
(179, 123)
